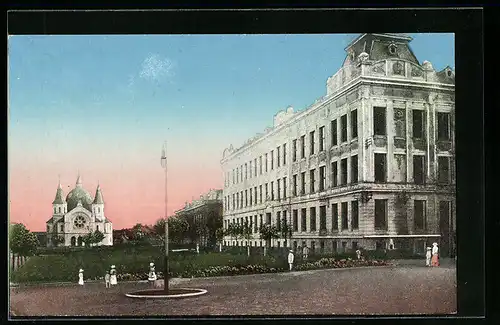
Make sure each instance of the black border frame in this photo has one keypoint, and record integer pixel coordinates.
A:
(467, 24)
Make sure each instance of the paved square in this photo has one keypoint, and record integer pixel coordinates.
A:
(407, 289)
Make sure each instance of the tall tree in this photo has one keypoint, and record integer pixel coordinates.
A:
(268, 232)
(22, 242)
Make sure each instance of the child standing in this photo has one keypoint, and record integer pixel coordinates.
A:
(107, 279)
(80, 277)
(428, 256)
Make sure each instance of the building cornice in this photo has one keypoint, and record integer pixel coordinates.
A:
(362, 79)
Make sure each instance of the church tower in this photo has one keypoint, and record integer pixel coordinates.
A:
(59, 206)
(98, 205)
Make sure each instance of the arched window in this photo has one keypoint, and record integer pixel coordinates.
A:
(55, 211)
(73, 241)
(80, 241)
(98, 209)
(97, 227)
(59, 209)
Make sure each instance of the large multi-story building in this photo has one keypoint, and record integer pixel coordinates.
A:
(370, 165)
(204, 217)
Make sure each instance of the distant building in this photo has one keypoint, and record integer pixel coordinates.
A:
(76, 216)
(204, 216)
(371, 164)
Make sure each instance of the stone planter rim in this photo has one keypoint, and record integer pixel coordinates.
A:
(195, 292)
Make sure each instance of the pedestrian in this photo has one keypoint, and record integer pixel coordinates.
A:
(80, 277)
(152, 274)
(112, 278)
(106, 279)
(435, 255)
(358, 254)
(428, 256)
(197, 248)
(290, 259)
(305, 252)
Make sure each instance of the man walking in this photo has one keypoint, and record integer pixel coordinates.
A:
(290, 259)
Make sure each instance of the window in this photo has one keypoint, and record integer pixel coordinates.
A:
(380, 168)
(278, 160)
(250, 169)
(322, 178)
(260, 219)
(354, 215)
(255, 194)
(343, 211)
(59, 209)
(241, 173)
(233, 201)
(62, 228)
(303, 183)
(246, 198)
(295, 220)
(443, 126)
(284, 187)
(343, 128)
(237, 174)
(321, 246)
(303, 219)
(272, 191)
(294, 191)
(255, 167)
(354, 169)
(312, 181)
(250, 197)
(381, 214)
(444, 170)
(334, 246)
(322, 217)
(246, 171)
(354, 124)
(379, 121)
(334, 174)
(354, 245)
(268, 218)
(313, 247)
(278, 220)
(267, 158)
(312, 219)
(294, 245)
(334, 132)
(335, 216)
(278, 192)
(418, 124)
(419, 169)
(267, 192)
(241, 198)
(311, 143)
(260, 165)
(343, 171)
(284, 154)
(302, 147)
(294, 150)
(233, 177)
(272, 159)
(322, 138)
(419, 215)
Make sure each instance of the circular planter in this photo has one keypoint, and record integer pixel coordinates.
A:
(172, 293)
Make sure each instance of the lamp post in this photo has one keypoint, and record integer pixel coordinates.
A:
(164, 165)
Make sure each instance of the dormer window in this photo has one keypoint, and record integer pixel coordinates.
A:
(448, 73)
(393, 49)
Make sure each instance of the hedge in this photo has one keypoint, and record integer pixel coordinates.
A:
(64, 267)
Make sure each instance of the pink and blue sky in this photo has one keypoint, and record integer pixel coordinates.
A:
(103, 106)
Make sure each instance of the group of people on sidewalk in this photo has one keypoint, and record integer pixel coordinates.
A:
(432, 255)
(110, 277)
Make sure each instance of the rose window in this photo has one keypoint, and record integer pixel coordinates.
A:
(80, 222)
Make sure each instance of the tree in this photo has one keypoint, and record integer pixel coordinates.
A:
(56, 239)
(177, 229)
(219, 237)
(97, 237)
(285, 231)
(267, 233)
(246, 232)
(22, 242)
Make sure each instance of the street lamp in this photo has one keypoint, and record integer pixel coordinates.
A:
(164, 165)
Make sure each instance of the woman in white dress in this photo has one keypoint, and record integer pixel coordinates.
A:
(80, 277)
(112, 278)
(152, 274)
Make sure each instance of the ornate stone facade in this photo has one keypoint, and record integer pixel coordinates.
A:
(336, 170)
